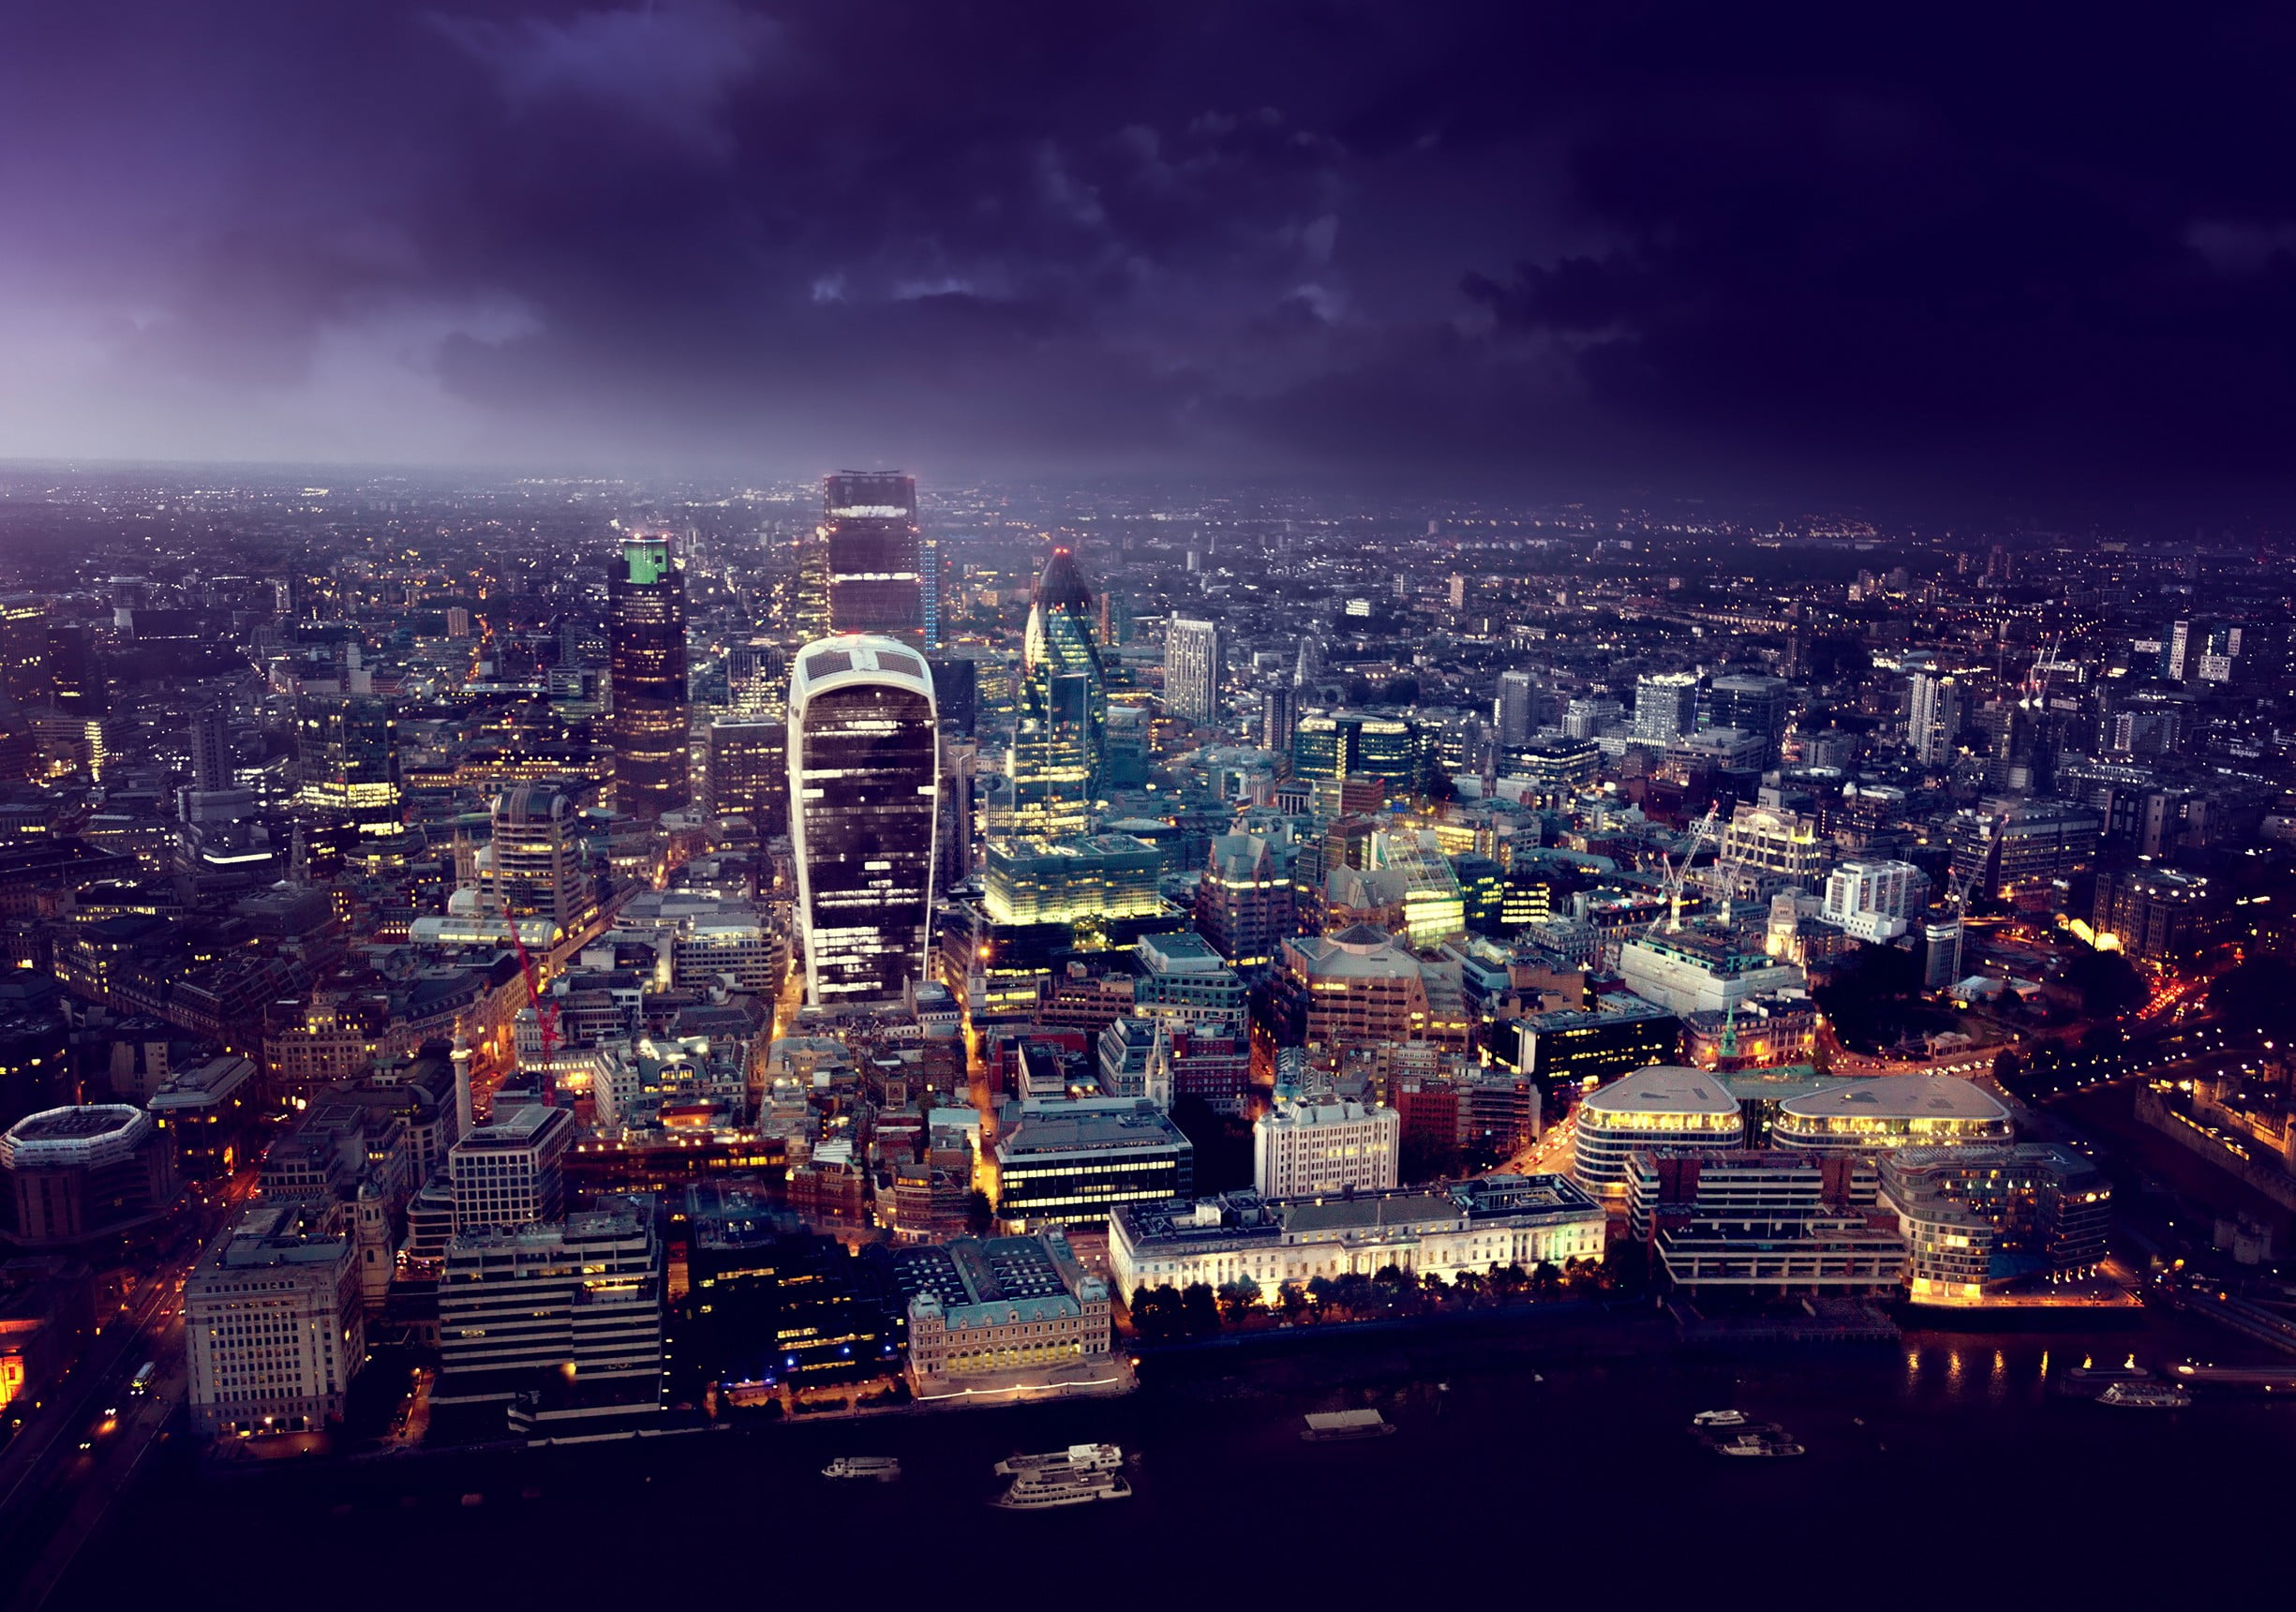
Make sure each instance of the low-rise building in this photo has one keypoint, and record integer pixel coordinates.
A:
(1004, 1315)
(82, 1174)
(1481, 1224)
(1874, 901)
(1319, 1146)
(1762, 1221)
(1765, 1032)
(1699, 971)
(1068, 1163)
(1979, 1220)
(272, 1323)
(204, 1112)
(1881, 1115)
(1663, 1107)
(1181, 977)
(1614, 1036)
(1209, 1060)
(568, 1311)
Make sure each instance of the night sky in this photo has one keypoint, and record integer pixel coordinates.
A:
(2044, 257)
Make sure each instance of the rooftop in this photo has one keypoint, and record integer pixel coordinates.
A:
(1894, 1096)
(1665, 1089)
(1089, 1125)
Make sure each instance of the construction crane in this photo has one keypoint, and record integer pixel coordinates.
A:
(2036, 680)
(1676, 872)
(1960, 889)
(546, 1010)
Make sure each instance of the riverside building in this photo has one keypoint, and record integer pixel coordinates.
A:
(272, 1327)
(1006, 1315)
(1663, 1107)
(1878, 1116)
(568, 1311)
(1062, 1164)
(1978, 1220)
(1481, 1224)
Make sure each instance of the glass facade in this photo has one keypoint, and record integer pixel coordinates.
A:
(864, 787)
(1061, 736)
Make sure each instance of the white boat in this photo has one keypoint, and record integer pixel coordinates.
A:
(1719, 1419)
(1075, 1458)
(1771, 1443)
(1062, 1486)
(2146, 1397)
(1326, 1425)
(878, 1468)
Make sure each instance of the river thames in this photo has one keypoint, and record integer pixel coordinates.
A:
(1547, 1460)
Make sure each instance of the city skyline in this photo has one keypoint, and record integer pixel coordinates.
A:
(822, 770)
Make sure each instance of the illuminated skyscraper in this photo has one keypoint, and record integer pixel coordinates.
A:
(1059, 736)
(645, 641)
(875, 556)
(534, 857)
(346, 758)
(864, 791)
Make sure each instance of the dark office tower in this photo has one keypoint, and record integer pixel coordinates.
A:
(1755, 704)
(955, 693)
(645, 649)
(749, 774)
(756, 680)
(211, 752)
(1060, 740)
(864, 790)
(954, 841)
(1279, 713)
(77, 674)
(23, 647)
(875, 554)
(1115, 620)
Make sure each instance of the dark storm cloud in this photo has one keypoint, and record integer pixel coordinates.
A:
(1694, 248)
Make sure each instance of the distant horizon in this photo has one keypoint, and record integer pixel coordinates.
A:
(1829, 260)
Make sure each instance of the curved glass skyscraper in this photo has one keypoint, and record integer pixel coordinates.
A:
(1060, 740)
(646, 644)
(864, 784)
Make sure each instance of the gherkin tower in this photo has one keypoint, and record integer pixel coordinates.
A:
(1059, 736)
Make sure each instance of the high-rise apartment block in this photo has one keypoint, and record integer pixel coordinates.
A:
(1192, 651)
(1666, 707)
(1933, 717)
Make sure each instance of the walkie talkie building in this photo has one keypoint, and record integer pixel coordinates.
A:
(864, 794)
